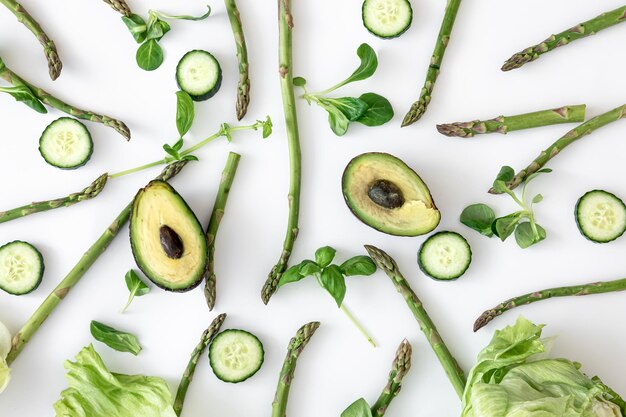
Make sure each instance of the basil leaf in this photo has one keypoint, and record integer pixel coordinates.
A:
(525, 236)
(367, 68)
(324, 256)
(137, 27)
(24, 94)
(185, 113)
(352, 108)
(379, 110)
(359, 408)
(503, 227)
(291, 275)
(359, 265)
(308, 267)
(120, 341)
(299, 81)
(149, 55)
(178, 145)
(136, 287)
(189, 158)
(333, 281)
(479, 217)
(171, 151)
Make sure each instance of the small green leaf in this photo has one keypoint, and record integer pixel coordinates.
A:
(308, 267)
(299, 82)
(136, 287)
(149, 55)
(225, 131)
(267, 127)
(537, 199)
(185, 113)
(324, 256)
(336, 119)
(172, 152)
(479, 217)
(157, 28)
(379, 110)
(352, 108)
(359, 408)
(178, 145)
(23, 93)
(505, 226)
(291, 275)
(525, 236)
(506, 174)
(367, 68)
(137, 27)
(115, 339)
(333, 281)
(358, 265)
(500, 186)
(189, 158)
(182, 17)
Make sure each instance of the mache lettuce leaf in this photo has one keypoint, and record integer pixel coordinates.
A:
(96, 392)
(5, 348)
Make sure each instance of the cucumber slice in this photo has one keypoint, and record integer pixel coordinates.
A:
(21, 268)
(236, 355)
(445, 256)
(199, 74)
(387, 18)
(600, 216)
(66, 144)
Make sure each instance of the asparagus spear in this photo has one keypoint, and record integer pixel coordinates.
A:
(243, 88)
(450, 365)
(295, 348)
(570, 137)
(506, 124)
(207, 336)
(400, 367)
(228, 175)
(49, 48)
(88, 193)
(533, 297)
(419, 107)
(285, 26)
(120, 6)
(582, 30)
(80, 269)
(52, 101)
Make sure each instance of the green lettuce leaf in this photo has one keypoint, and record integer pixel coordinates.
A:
(511, 379)
(5, 348)
(96, 392)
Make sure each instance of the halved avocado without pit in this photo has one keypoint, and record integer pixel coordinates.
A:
(168, 242)
(386, 194)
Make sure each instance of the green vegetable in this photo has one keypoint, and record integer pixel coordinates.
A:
(369, 109)
(25, 95)
(359, 408)
(21, 268)
(243, 87)
(533, 297)
(45, 98)
(66, 144)
(418, 108)
(199, 74)
(295, 348)
(600, 216)
(50, 50)
(512, 378)
(136, 26)
(557, 147)
(115, 339)
(150, 55)
(88, 193)
(80, 269)
(332, 277)
(444, 256)
(581, 30)
(506, 124)
(185, 112)
(449, 364)
(119, 6)
(207, 336)
(136, 287)
(95, 391)
(5, 348)
(236, 355)
(387, 19)
(481, 217)
(285, 70)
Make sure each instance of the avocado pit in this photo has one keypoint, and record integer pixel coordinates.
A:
(386, 194)
(171, 242)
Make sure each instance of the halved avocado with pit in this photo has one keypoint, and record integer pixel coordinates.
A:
(386, 194)
(168, 242)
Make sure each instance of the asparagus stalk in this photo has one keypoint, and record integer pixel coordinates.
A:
(295, 348)
(400, 367)
(285, 20)
(582, 30)
(228, 175)
(419, 107)
(207, 336)
(49, 48)
(450, 365)
(533, 297)
(506, 124)
(570, 137)
(52, 101)
(88, 193)
(119, 6)
(80, 269)
(243, 88)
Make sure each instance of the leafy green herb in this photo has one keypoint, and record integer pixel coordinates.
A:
(182, 17)
(25, 95)
(137, 27)
(324, 256)
(150, 55)
(136, 287)
(185, 112)
(359, 265)
(115, 339)
(481, 217)
(378, 112)
(359, 408)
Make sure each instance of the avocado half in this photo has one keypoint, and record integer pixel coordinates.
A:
(168, 242)
(386, 194)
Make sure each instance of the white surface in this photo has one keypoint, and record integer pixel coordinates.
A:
(339, 365)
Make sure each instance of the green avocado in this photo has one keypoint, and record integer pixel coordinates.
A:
(386, 194)
(168, 242)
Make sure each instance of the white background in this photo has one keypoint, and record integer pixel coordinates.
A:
(338, 366)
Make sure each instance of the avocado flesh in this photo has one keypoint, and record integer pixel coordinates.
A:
(155, 206)
(417, 215)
